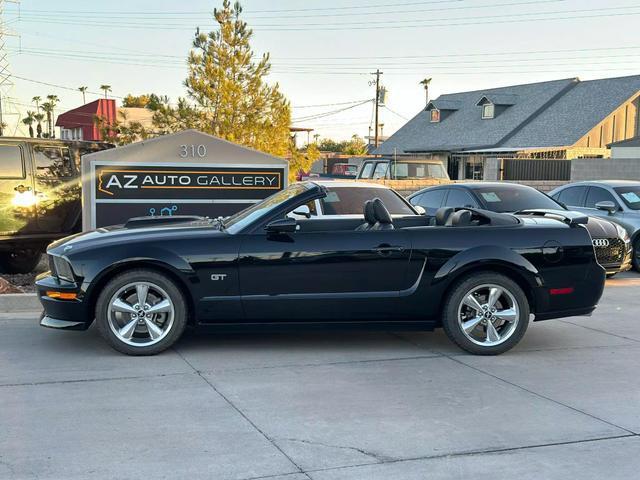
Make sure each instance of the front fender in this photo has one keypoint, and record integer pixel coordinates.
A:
(489, 255)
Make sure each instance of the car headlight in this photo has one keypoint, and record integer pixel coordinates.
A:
(623, 234)
(63, 269)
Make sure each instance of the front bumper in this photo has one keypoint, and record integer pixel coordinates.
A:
(59, 313)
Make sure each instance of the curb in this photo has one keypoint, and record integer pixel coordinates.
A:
(19, 302)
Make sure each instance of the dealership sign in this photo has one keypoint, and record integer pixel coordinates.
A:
(122, 191)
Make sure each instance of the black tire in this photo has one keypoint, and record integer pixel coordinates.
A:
(636, 254)
(461, 290)
(20, 261)
(145, 276)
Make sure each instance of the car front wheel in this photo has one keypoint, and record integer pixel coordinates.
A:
(636, 254)
(141, 312)
(486, 314)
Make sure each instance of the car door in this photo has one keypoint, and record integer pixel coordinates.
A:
(328, 275)
(17, 198)
(595, 195)
(57, 188)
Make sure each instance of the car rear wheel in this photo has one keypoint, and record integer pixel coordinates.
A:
(141, 312)
(486, 314)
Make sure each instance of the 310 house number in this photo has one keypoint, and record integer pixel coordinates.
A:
(193, 151)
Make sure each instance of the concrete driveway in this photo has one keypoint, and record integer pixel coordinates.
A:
(564, 404)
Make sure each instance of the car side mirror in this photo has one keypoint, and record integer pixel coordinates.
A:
(420, 209)
(303, 211)
(607, 206)
(283, 225)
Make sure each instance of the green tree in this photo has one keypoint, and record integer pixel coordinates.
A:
(139, 101)
(355, 146)
(231, 95)
(28, 120)
(39, 117)
(49, 108)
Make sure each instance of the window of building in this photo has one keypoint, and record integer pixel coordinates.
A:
(11, 165)
(52, 162)
(488, 110)
(435, 115)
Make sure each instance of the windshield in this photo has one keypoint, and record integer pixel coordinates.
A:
(247, 216)
(630, 196)
(505, 199)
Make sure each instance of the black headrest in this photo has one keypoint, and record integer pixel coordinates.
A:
(461, 218)
(380, 211)
(442, 214)
(369, 215)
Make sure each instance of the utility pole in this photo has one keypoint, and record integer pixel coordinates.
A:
(377, 73)
(5, 75)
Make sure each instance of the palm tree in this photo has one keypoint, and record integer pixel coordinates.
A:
(28, 120)
(53, 101)
(39, 117)
(83, 90)
(425, 83)
(47, 108)
(106, 88)
(36, 100)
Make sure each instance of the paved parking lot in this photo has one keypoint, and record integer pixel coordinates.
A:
(564, 404)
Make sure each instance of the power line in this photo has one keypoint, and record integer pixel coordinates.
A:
(396, 113)
(330, 104)
(330, 113)
(59, 86)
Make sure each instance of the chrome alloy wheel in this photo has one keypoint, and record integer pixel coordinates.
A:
(140, 314)
(488, 315)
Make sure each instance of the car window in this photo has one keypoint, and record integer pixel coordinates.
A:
(571, 197)
(514, 198)
(411, 170)
(597, 194)
(350, 201)
(430, 200)
(459, 198)
(11, 165)
(52, 162)
(367, 170)
(380, 170)
(630, 196)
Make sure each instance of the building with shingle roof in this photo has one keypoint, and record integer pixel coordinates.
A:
(555, 120)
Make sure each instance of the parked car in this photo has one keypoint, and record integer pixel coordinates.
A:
(612, 244)
(478, 274)
(344, 169)
(39, 197)
(404, 169)
(615, 200)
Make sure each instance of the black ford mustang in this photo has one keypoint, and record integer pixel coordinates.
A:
(476, 273)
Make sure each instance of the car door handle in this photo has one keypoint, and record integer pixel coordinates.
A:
(22, 189)
(387, 249)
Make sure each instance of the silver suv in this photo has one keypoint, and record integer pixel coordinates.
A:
(615, 200)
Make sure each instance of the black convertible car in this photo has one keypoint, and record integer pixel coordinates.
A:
(478, 274)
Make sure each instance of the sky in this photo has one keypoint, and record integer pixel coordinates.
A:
(322, 51)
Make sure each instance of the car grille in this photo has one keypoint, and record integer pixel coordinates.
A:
(612, 253)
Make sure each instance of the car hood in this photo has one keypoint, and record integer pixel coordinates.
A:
(123, 234)
(601, 228)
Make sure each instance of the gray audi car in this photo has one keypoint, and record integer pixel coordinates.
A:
(611, 241)
(614, 200)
